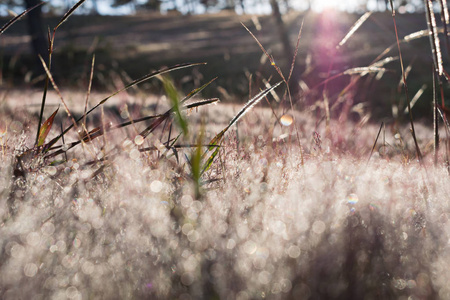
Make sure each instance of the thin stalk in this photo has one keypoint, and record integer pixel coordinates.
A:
(435, 122)
(413, 132)
(447, 132)
(91, 77)
(376, 141)
(47, 80)
(445, 21)
(272, 62)
(18, 17)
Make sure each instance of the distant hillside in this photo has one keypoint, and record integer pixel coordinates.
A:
(138, 44)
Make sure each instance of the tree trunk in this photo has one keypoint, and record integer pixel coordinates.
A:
(35, 29)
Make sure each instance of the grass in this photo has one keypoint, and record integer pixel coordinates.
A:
(184, 199)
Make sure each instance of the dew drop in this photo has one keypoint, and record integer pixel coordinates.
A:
(30, 270)
(286, 120)
(187, 228)
(87, 268)
(264, 277)
(250, 247)
(231, 244)
(286, 285)
(352, 199)
(187, 278)
(50, 170)
(318, 227)
(193, 236)
(76, 243)
(139, 139)
(127, 145)
(124, 114)
(156, 186)
(186, 200)
(48, 229)
(294, 251)
(53, 248)
(135, 154)
(33, 238)
(72, 292)
(197, 206)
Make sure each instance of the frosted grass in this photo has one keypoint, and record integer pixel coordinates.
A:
(334, 228)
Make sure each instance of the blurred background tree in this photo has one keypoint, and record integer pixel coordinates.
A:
(277, 8)
(199, 6)
(35, 26)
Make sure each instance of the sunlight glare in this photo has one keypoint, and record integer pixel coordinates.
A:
(323, 5)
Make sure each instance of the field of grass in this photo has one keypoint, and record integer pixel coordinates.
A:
(175, 195)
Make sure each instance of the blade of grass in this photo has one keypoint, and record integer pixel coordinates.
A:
(416, 97)
(51, 39)
(413, 132)
(447, 132)
(445, 21)
(434, 39)
(196, 161)
(167, 114)
(69, 13)
(172, 94)
(18, 17)
(99, 131)
(45, 129)
(88, 91)
(135, 82)
(251, 103)
(272, 62)
(376, 141)
(201, 103)
(218, 138)
(297, 46)
(197, 90)
(63, 143)
(354, 28)
(49, 75)
(435, 120)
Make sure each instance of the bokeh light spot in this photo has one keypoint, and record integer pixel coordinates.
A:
(30, 270)
(286, 120)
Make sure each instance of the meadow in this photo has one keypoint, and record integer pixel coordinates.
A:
(178, 195)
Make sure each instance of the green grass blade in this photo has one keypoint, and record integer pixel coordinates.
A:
(196, 164)
(217, 139)
(172, 93)
(210, 160)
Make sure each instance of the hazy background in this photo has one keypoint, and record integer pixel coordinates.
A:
(133, 37)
